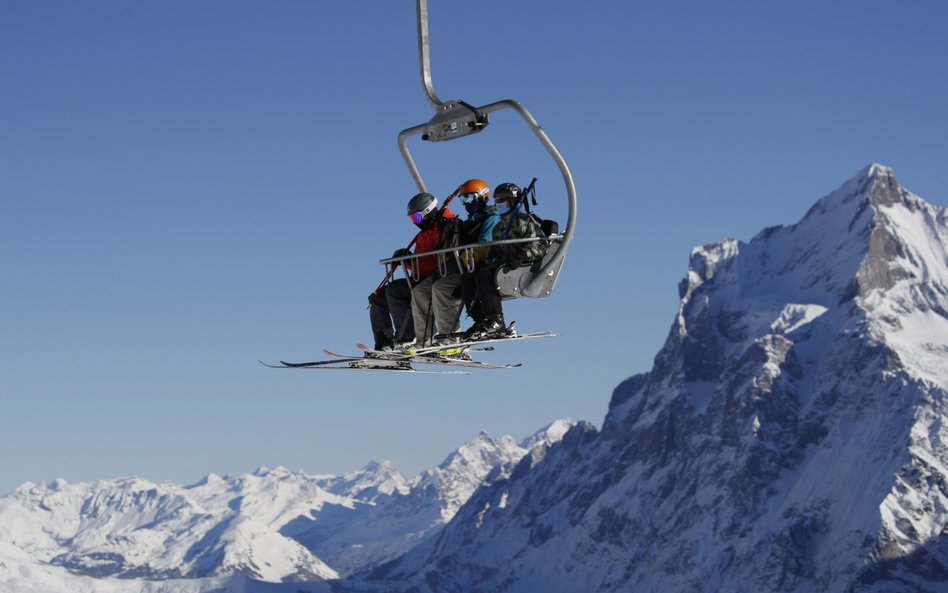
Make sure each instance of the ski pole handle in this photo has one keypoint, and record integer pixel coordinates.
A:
(375, 293)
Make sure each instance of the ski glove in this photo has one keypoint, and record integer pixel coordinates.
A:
(400, 253)
(513, 261)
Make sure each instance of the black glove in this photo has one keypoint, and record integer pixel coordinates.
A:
(513, 261)
(400, 253)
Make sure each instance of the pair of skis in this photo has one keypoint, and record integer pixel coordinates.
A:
(454, 355)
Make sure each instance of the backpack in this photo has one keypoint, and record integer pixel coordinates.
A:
(449, 232)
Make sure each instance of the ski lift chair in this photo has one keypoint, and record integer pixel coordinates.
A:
(456, 119)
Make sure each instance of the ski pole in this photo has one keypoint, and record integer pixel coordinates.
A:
(388, 275)
(516, 207)
(448, 201)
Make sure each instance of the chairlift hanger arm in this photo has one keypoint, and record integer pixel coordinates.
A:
(424, 55)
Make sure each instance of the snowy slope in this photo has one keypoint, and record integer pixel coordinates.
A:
(136, 528)
(20, 573)
(791, 435)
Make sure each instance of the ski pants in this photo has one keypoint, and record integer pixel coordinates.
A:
(393, 304)
(436, 306)
(486, 286)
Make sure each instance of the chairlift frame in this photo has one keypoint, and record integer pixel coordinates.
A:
(456, 119)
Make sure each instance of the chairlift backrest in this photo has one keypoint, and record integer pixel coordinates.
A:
(539, 279)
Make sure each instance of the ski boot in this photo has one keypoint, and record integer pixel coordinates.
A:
(488, 328)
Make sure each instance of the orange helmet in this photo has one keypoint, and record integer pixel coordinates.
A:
(474, 189)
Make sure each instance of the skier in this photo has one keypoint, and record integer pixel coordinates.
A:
(489, 315)
(391, 303)
(428, 312)
(481, 217)
(396, 301)
(476, 228)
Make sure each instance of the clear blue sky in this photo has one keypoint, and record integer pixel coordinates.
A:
(188, 187)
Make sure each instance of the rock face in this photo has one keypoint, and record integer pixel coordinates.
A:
(791, 436)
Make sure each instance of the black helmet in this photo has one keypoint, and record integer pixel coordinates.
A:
(421, 205)
(506, 191)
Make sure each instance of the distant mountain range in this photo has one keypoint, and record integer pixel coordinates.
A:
(792, 435)
(272, 525)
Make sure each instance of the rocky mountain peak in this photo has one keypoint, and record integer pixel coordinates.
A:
(549, 434)
(789, 437)
(376, 478)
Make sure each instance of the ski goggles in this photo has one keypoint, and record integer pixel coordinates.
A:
(469, 198)
(417, 217)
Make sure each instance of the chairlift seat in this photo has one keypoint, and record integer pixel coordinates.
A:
(530, 281)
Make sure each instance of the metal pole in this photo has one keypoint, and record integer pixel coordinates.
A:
(424, 57)
(403, 136)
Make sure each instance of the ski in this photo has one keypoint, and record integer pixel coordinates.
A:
(316, 363)
(359, 364)
(428, 359)
(400, 361)
(464, 345)
(384, 369)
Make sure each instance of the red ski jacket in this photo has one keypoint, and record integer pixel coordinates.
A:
(428, 240)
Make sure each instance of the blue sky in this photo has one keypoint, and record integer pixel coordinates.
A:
(188, 187)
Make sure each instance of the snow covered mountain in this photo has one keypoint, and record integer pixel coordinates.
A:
(792, 434)
(136, 528)
(377, 478)
(272, 525)
(359, 538)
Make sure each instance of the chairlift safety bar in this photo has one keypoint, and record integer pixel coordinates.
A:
(470, 247)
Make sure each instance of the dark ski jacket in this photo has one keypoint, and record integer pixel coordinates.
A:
(518, 254)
